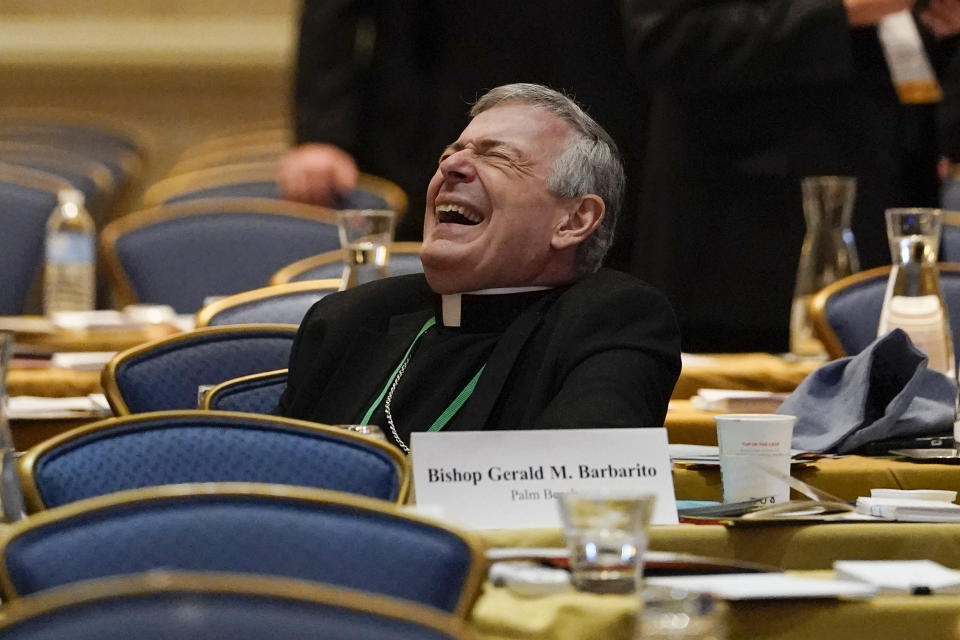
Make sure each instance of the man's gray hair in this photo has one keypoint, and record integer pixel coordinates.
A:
(589, 164)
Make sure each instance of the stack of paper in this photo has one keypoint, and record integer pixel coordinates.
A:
(82, 360)
(911, 506)
(40, 408)
(900, 576)
(737, 401)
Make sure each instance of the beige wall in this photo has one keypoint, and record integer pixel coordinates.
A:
(181, 71)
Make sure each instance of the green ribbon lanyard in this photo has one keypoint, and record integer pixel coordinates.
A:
(450, 411)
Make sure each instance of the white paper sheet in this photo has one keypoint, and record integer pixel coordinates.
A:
(765, 586)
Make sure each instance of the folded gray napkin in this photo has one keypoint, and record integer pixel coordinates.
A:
(885, 391)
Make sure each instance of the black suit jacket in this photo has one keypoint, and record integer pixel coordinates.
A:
(604, 353)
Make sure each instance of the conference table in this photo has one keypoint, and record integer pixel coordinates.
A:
(751, 371)
(500, 613)
(808, 550)
(846, 477)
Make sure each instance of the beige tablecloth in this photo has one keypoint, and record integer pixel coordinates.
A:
(499, 614)
(686, 425)
(753, 371)
(59, 383)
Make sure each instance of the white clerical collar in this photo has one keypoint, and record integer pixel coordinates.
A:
(451, 304)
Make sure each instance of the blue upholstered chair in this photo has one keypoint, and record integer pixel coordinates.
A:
(242, 152)
(846, 314)
(258, 180)
(307, 534)
(950, 194)
(165, 374)
(262, 133)
(404, 259)
(182, 253)
(89, 176)
(170, 447)
(256, 393)
(27, 197)
(284, 304)
(115, 145)
(950, 231)
(165, 605)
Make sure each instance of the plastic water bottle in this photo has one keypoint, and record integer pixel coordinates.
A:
(68, 283)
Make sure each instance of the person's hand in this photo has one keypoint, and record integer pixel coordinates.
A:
(942, 17)
(316, 173)
(865, 13)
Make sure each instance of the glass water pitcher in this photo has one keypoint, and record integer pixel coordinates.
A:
(913, 300)
(828, 251)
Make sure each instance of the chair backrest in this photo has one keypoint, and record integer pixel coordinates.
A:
(170, 447)
(91, 177)
(166, 605)
(258, 179)
(845, 314)
(256, 393)
(165, 374)
(182, 253)
(253, 151)
(284, 304)
(404, 260)
(261, 133)
(27, 196)
(116, 145)
(950, 193)
(950, 230)
(300, 533)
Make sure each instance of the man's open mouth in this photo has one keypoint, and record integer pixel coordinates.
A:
(457, 214)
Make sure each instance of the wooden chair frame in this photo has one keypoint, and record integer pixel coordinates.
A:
(263, 171)
(183, 582)
(96, 171)
(207, 313)
(108, 377)
(140, 139)
(291, 271)
(34, 504)
(267, 131)
(226, 385)
(251, 152)
(817, 305)
(469, 592)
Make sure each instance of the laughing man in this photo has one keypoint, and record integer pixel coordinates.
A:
(513, 325)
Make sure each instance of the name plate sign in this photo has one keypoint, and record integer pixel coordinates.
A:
(510, 479)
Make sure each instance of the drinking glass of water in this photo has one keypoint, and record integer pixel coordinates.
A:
(606, 535)
(365, 236)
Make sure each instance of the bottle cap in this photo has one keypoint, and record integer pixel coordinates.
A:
(74, 196)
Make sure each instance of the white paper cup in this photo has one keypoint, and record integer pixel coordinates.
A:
(749, 442)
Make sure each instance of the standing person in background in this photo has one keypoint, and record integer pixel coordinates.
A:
(382, 84)
(950, 138)
(749, 97)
